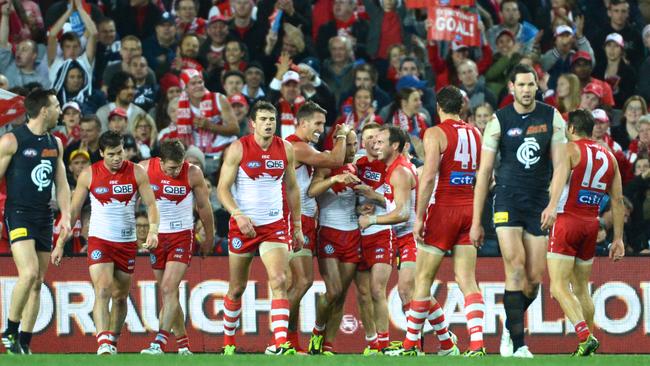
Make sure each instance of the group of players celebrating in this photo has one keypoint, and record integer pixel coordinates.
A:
(357, 214)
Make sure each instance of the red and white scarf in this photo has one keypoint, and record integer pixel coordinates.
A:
(415, 125)
(197, 26)
(185, 120)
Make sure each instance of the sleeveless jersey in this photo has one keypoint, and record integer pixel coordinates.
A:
(458, 164)
(338, 204)
(403, 228)
(31, 173)
(304, 175)
(258, 187)
(589, 181)
(373, 174)
(525, 147)
(112, 203)
(174, 197)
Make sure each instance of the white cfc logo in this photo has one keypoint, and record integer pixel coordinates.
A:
(41, 175)
(527, 152)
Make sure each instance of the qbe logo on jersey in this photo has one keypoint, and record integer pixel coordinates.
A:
(372, 176)
(175, 190)
(123, 189)
(274, 164)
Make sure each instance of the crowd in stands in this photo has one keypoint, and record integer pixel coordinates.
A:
(132, 65)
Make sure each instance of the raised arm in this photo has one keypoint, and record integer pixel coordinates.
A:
(306, 154)
(52, 41)
(91, 31)
(203, 207)
(149, 199)
(4, 24)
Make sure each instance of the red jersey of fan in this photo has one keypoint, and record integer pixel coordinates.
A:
(589, 181)
(458, 164)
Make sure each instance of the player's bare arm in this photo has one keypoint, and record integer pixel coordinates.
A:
(320, 184)
(401, 180)
(203, 207)
(486, 166)
(80, 193)
(615, 191)
(561, 156)
(8, 147)
(371, 194)
(148, 198)
(435, 143)
(293, 198)
(307, 154)
(233, 156)
(228, 125)
(63, 201)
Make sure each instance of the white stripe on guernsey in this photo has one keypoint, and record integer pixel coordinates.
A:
(474, 307)
(280, 324)
(279, 312)
(280, 335)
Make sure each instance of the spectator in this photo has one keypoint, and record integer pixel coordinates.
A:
(212, 49)
(23, 68)
(121, 93)
(591, 97)
(70, 131)
(131, 151)
(90, 128)
(117, 121)
(188, 53)
(137, 18)
(641, 145)
(77, 87)
(293, 44)
(446, 69)
(567, 95)
(79, 160)
(616, 70)
(233, 82)
(481, 115)
(131, 48)
(170, 88)
(108, 48)
(188, 20)
(315, 89)
(285, 94)
(160, 48)
(620, 22)
(525, 33)
(345, 23)
(170, 132)
(410, 74)
(146, 135)
(337, 69)
(386, 28)
(474, 85)
(601, 133)
(607, 229)
(404, 113)
(388, 76)
(57, 8)
(365, 75)
(141, 230)
(558, 60)
(643, 83)
(194, 155)
(505, 59)
(361, 113)
(244, 28)
(235, 56)
(240, 109)
(627, 130)
(145, 93)
(582, 65)
(638, 192)
(254, 87)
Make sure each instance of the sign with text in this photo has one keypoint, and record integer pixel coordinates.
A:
(449, 24)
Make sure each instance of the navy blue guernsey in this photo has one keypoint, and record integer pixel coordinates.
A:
(31, 172)
(525, 147)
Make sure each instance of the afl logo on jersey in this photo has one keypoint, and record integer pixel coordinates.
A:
(96, 255)
(123, 189)
(175, 190)
(514, 132)
(274, 164)
(527, 153)
(30, 153)
(254, 164)
(101, 190)
(42, 175)
(237, 243)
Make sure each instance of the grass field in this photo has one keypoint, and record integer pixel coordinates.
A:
(339, 360)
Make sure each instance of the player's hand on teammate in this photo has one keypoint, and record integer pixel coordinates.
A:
(476, 235)
(298, 239)
(549, 215)
(245, 225)
(364, 189)
(152, 241)
(418, 230)
(617, 250)
(345, 178)
(366, 209)
(364, 221)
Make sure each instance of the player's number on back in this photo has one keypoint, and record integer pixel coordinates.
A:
(587, 179)
(466, 149)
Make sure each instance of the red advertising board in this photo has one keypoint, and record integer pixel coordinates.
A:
(415, 4)
(451, 24)
(621, 293)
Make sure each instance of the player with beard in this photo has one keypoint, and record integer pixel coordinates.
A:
(529, 137)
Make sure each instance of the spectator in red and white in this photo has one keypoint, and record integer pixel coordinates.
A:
(345, 23)
(641, 145)
(187, 19)
(130, 48)
(525, 33)
(170, 131)
(76, 87)
(170, 88)
(245, 28)
(619, 22)
(337, 69)
(108, 48)
(220, 8)
(582, 65)
(567, 42)
(411, 74)
(474, 85)
(136, 17)
(386, 28)
(160, 47)
(627, 130)
(365, 75)
(240, 108)
(121, 93)
(255, 83)
(234, 56)
(187, 56)
(70, 131)
(31, 18)
(145, 93)
(480, 116)
(388, 78)
(616, 70)
(118, 121)
(146, 135)
(591, 97)
(284, 92)
(205, 119)
(601, 132)
(212, 49)
(504, 60)
(361, 113)
(71, 47)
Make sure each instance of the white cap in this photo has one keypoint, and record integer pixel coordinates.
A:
(71, 104)
(600, 115)
(616, 38)
(561, 29)
(290, 76)
(455, 46)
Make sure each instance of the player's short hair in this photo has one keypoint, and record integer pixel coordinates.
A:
(37, 99)
(69, 37)
(308, 109)
(522, 69)
(370, 126)
(450, 100)
(92, 118)
(262, 105)
(582, 122)
(173, 150)
(110, 139)
(395, 135)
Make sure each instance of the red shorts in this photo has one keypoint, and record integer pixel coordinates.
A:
(406, 250)
(376, 248)
(104, 251)
(575, 237)
(455, 230)
(172, 247)
(275, 232)
(342, 245)
(309, 232)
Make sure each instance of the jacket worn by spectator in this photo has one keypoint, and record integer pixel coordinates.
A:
(639, 225)
(140, 22)
(556, 65)
(358, 30)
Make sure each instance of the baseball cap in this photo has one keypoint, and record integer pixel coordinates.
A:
(600, 115)
(616, 38)
(71, 104)
(506, 32)
(76, 153)
(117, 112)
(455, 46)
(561, 29)
(594, 89)
(581, 55)
(238, 99)
(166, 17)
(189, 74)
(290, 76)
(410, 81)
(218, 18)
(129, 141)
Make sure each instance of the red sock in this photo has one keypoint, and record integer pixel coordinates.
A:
(582, 330)
(318, 329)
(474, 312)
(105, 337)
(294, 338)
(372, 341)
(231, 314)
(415, 321)
(382, 340)
(437, 320)
(183, 342)
(280, 320)
(161, 338)
(328, 346)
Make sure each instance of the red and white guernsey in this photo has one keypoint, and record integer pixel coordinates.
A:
(174, 197)
(258, 186)
(373, 174)
(338, 204)
(404, 228)
(589, 180)
(112, 203)
(458, 164)
(304, 175)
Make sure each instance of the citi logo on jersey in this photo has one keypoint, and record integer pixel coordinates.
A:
(591, 198)
(462, 178)
(274, 164)
(175, 190)
(373, 176)
(123, 189)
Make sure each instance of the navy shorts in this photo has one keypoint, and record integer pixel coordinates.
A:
(516, 207)
(25, 225)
